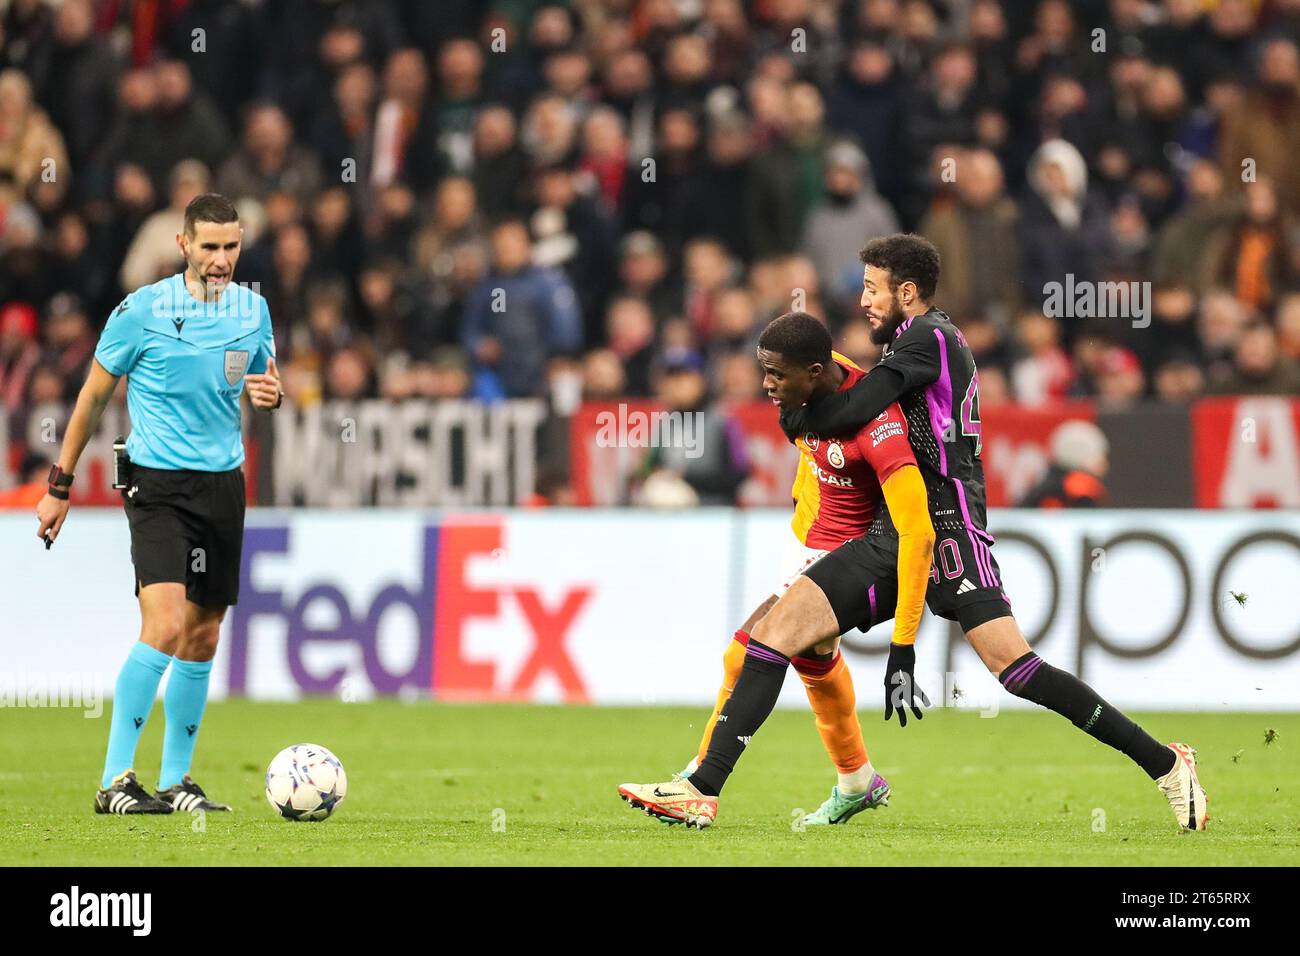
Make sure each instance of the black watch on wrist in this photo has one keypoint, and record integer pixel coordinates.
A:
(60, 482)
(279, 401)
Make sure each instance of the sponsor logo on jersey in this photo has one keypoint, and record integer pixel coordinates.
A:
(887, 430)
(826, 478)
(835, 455)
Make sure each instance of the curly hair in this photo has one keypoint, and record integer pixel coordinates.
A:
(907, 258)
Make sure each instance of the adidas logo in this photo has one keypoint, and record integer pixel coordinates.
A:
(965, 586)
(120, 802)
(746, 739)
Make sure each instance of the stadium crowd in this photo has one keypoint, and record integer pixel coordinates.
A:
(643, 184)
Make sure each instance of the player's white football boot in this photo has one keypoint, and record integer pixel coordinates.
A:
(1183, 790)
(676, 801)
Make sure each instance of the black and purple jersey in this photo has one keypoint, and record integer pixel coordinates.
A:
(929, 370)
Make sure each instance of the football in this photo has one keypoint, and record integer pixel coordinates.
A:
(306, 782)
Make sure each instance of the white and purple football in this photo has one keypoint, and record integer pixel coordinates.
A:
(305, 782)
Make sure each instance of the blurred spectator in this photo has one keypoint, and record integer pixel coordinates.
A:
(602, 376)
(1180, 244)
(1080, 460)
(33, 482)
(342, 131)
(1043, 374)
(943, 111)
(519, 315)
(738, 378)
(1251, 254)
(710, 457)
(1288, 327)
(78, 88)
(78, 267)
(1221, 324)
(726, 179)
(30, 145)
(1179, 379)
(666, 192)
(153, 253)
(865, 102)
(1062, 226)
(1173, 326)
(186, 125)
(269, 160)
(69, 341)
(1266, 129)
(851, 213)
(630, 332)
(500, 166)
(643, 271)
(978, 244)
(1120, 381)
(1258, 368)
(573, 232)
(787, 180)
(406, 126)
(19, 351)
(709, 269)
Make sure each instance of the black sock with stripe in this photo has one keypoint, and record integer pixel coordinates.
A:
(757, 689)
(1032, 678)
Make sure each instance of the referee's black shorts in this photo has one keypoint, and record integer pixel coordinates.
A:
(860, 580)
(187, 527)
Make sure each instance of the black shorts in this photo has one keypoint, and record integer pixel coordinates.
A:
(187, 527)
(860, 580)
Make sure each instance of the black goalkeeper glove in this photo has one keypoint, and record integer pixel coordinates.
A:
(900, 684)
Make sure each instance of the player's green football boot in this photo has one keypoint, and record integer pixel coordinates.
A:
(839, 808)
(187, 796)
(127, 796)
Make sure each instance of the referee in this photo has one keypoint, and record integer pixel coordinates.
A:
(189, 344)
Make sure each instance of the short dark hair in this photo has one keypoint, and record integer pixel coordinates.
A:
(907, 257)
(798, 337)
(209, 207)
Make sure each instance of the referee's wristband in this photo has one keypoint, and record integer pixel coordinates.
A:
(60, 482)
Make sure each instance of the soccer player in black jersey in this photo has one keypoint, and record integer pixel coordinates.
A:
(928, 369)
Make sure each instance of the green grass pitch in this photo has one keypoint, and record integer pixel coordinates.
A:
(513, 784)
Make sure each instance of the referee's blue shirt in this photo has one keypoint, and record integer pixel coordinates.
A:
(185, 362)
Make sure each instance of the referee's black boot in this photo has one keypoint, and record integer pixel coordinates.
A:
(187, 796)
(127, 796)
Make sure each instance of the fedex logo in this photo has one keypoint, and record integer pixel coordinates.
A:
(444, 604)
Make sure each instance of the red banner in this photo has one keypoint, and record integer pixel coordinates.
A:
(1246, 452)
(1015, 452)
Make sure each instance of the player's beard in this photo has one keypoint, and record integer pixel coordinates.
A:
(883, 333)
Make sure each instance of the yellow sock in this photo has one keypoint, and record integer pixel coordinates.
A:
(733, 659)
(830, 692)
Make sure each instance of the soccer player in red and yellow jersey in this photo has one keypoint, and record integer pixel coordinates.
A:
(838, 488)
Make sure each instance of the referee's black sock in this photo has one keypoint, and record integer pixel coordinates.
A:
(1034, 679)
(750, 703)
